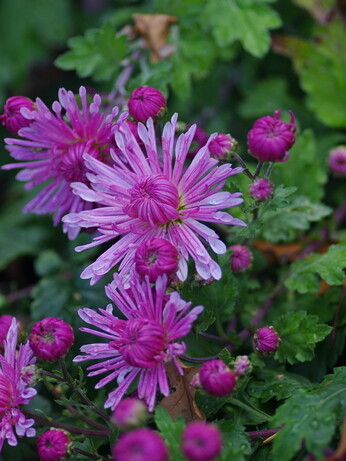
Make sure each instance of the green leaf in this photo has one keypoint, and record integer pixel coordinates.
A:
(305, 274)
(299, 333)
(51, 296)
(48, 263)
(310, 416)
(171, 431)
(248, 21)
(236, 443)
(326, 93)
(98, 53)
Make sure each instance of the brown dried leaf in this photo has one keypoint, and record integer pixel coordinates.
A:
(154, 28)
(181, 402)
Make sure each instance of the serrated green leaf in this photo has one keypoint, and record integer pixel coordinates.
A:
(309, 416)
(51, 296)
(171, 431)
(247, 21)
(299, 333)
(48, 263)
(98, 53)
(306, 273)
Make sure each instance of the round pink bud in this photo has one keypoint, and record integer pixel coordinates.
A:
(261, 189)
(201, 441)
(270, 138)
(53, 445)
(266, 340)
(12, 117)
(222, 146)
(129, 414)
(156, 257)
(241, 258)
(216, 378)
(140, 445)
(242, 364)
(5, 323)
(337, 161)
(51, 338)
(146, 102)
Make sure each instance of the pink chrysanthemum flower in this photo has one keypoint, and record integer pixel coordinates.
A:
(216, 378)
(129, 414)
(222, 146)
(14, 388)
(140, 445)
(140, 346)
(201, 441)
(267, 340)
(146, 102)
(148, 197)
(52, 150)
(54, 445)
(337, 161)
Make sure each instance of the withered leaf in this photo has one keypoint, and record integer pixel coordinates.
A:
(181, 402)
(154, 28)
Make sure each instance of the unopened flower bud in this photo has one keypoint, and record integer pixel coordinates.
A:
(12, 117)
(140, 445)
(51, 338)
(54, 445)
(242, 364)
(216, 378)
(270, 138)
(261, 189)
(337, 161)
(129, 414)
(156, 257)
(222, 146)
(241, 258)
(201, 441)
(146, 102)
(266, 340)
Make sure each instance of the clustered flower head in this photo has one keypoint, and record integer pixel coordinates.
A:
(140, 445)
(54, 445)
(12, 118)
(146, 102)
(14, 388)
(241, 258)
(216, 378)
(52, 147)
(337, 161)
(270, 138)
(267, 340)
(146, 196)
(140, 346)
(51, 338)
(261, 189)
(201, 441)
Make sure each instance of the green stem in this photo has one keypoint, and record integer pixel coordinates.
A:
(249, 409)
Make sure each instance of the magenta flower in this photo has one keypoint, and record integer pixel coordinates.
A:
(140, 346)
(53, 445)
(216, 378)
(51, 338)
(156, 257)
(14, 388)
(140, 445)
(267, 340)
(261, 189)
(5, 323)
(337, 161)
(129, 414)
(241, 258)
(270, 138)
(222, 146)
(201, 441)
(145, 197)
(12, 117)
(52, 150)
(146, 102)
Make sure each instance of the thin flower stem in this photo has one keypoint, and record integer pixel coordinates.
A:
(198, 359)
(269, 170)
(89, 455)
(258, 169)
(214, 338)
(249, 408)
(243, 164)
(67, 427)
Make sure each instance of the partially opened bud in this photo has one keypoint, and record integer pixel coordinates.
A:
(337, 161)
(146, 102)
(12, 117)
(216, 378)
(129, 414)
(261, 189)
(201, 441)
(267, 340)
(222, 146)
(242, 364)
(270, 138)
(53, 445)
(241, 258)
(51, 338)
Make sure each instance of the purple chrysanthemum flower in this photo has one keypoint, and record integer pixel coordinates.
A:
(201, 441)
(216, 378)
(140, 346)
(146, 197)
(129, 414)
(222, 146)
(146, 102)
(14, 388)
(54, 445)
(52, 150)
(337, 161)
